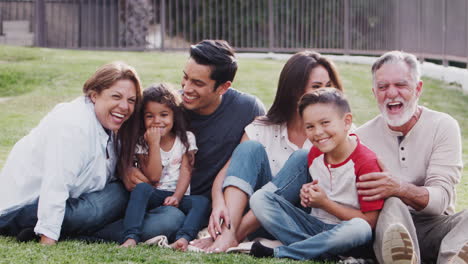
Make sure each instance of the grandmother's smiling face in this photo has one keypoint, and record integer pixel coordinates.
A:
(113, 106)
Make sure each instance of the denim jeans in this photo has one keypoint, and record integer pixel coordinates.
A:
(249, 171)
(83, 215)
(164, 220)
(145, 196)
(304, 236)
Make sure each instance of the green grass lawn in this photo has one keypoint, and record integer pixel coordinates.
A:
(33, 80)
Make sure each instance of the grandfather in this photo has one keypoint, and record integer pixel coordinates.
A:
(421, 154)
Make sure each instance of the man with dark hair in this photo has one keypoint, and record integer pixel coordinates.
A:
(218, 115)
(219, 55)
(421, 151)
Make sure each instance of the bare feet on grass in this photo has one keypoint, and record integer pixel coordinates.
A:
(224, 241)
(47, 241)
(129, 243)
(181, 244)
(202, 243)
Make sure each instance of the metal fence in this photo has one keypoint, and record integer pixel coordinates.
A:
(434, 29)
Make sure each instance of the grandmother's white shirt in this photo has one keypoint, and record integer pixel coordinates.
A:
(64, 156)
(274, 137)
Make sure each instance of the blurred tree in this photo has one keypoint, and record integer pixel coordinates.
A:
(135, 16)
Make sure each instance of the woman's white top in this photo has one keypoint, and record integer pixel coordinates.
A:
(64, 156)
(171, 161)
(275, 139)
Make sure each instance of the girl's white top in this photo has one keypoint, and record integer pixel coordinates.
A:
(171, 162)
(63, 157)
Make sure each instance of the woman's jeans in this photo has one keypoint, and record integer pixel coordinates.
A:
(83, 215)
(249, 171)
(145, 197)
(97, 216)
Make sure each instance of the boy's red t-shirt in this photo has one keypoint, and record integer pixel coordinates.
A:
(339, 180)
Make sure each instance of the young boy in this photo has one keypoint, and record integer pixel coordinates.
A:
(339, 219)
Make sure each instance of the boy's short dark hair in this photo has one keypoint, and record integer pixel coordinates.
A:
(325, 96)
(219, 55)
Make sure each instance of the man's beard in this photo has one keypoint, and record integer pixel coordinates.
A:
(409, 108)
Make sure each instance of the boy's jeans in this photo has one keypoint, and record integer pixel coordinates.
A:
(145, 197)
(304, 236)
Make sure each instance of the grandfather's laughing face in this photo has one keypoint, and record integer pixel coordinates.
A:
(396, 92)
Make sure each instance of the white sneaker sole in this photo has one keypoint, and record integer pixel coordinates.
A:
(462, 256)
(397, 246)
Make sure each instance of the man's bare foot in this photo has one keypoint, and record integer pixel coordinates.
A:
(202, 243)
(181, 244)
(129, 243)
(224, 241)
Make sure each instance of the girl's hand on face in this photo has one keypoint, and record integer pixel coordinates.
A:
(171, 201)
(153, 136)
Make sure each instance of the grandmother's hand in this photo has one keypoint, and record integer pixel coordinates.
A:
(132, 177)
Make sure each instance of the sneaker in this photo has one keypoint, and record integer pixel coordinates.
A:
(397, 246)
(4, 231)
(27, 235)
(260, 251)
(352, 260)
(462, 256)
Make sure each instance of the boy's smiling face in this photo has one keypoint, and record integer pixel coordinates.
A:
(326, 127)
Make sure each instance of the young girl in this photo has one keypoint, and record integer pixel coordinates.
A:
(163, 154)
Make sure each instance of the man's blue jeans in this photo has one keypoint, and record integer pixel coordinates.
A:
(83, 215)
(304, 236)
(249, 171)
(145, 197)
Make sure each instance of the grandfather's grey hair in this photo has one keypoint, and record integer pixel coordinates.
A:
(399, 56)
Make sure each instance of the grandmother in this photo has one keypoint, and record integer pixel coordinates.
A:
(60, 179)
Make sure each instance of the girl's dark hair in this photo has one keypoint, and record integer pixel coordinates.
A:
(331, 96)
(292, 84)
(104, 78)
(166, 95)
